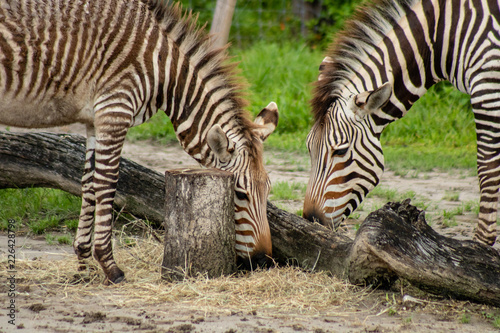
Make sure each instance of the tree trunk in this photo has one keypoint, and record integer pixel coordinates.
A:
(199, 223)
(221, 22)
(393, 242)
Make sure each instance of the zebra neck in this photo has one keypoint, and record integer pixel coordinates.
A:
(396, 41)
(196, 99)
(198, 89)
(192, 134)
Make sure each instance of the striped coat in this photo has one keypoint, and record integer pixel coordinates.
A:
(111, 65)
(389, 55)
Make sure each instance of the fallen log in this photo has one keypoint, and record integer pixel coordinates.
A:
(56, 161)
(396, 242)
(393, 242)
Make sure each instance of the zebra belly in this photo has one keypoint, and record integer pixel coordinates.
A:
(39, 114)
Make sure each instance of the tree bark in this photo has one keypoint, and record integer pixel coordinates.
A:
(393, 242)
(221, 22)
(199, 223)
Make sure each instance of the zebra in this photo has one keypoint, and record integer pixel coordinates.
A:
(387, 57)
(112, 65)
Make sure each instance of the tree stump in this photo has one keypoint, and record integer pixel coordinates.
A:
(199, 223)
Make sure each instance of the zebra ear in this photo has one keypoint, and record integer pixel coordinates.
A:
(267, 120)
(369, 102)
(327, 60)
(379, 97)
(221, 145)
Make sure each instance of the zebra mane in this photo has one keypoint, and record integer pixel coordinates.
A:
(196, 43)
(366, 28)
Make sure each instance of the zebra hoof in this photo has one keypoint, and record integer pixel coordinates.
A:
(115, 276)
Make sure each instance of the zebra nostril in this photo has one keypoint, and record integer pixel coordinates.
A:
(314, 215)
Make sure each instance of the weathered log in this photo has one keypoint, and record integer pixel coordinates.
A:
(199, 223)
(395, 241)
(392, 242)
(310, 245)
(56, 161)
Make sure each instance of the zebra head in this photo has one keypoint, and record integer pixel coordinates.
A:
(244, 157)
(346, 156)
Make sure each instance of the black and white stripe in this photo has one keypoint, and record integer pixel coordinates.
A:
(111, 65)
(409, 44)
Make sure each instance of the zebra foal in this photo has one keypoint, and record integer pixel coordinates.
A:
(389, 55)
(111, 65)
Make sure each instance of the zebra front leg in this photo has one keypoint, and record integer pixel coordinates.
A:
(110, 135)
(488, 169)
(83, 239)
(488, 182)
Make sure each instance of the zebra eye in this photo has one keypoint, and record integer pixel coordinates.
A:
(340, 152)
(241, 195)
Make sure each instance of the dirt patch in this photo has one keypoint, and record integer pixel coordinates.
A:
(51, 298)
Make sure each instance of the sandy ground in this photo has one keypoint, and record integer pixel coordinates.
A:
(47, 308)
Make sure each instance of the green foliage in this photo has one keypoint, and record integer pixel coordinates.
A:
(493, 318)
(283, 74)
(449, 216)
(471, 206)
(496, 322)
(277, 21)
(253, 20)
(391, 194)
(159, 128)
(451, 196)
(465, 318)
(61, 240)
(39, 226)
(331, 19)
(71, 224)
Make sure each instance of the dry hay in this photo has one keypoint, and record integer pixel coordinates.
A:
(278, 290)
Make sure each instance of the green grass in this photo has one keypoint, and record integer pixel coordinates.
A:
(159, 128)
(465, 319)
(496, 322)
(392, 195)
(38, 209)
(287, 191)
(64, 239)
(438, 132)
(283, 74)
